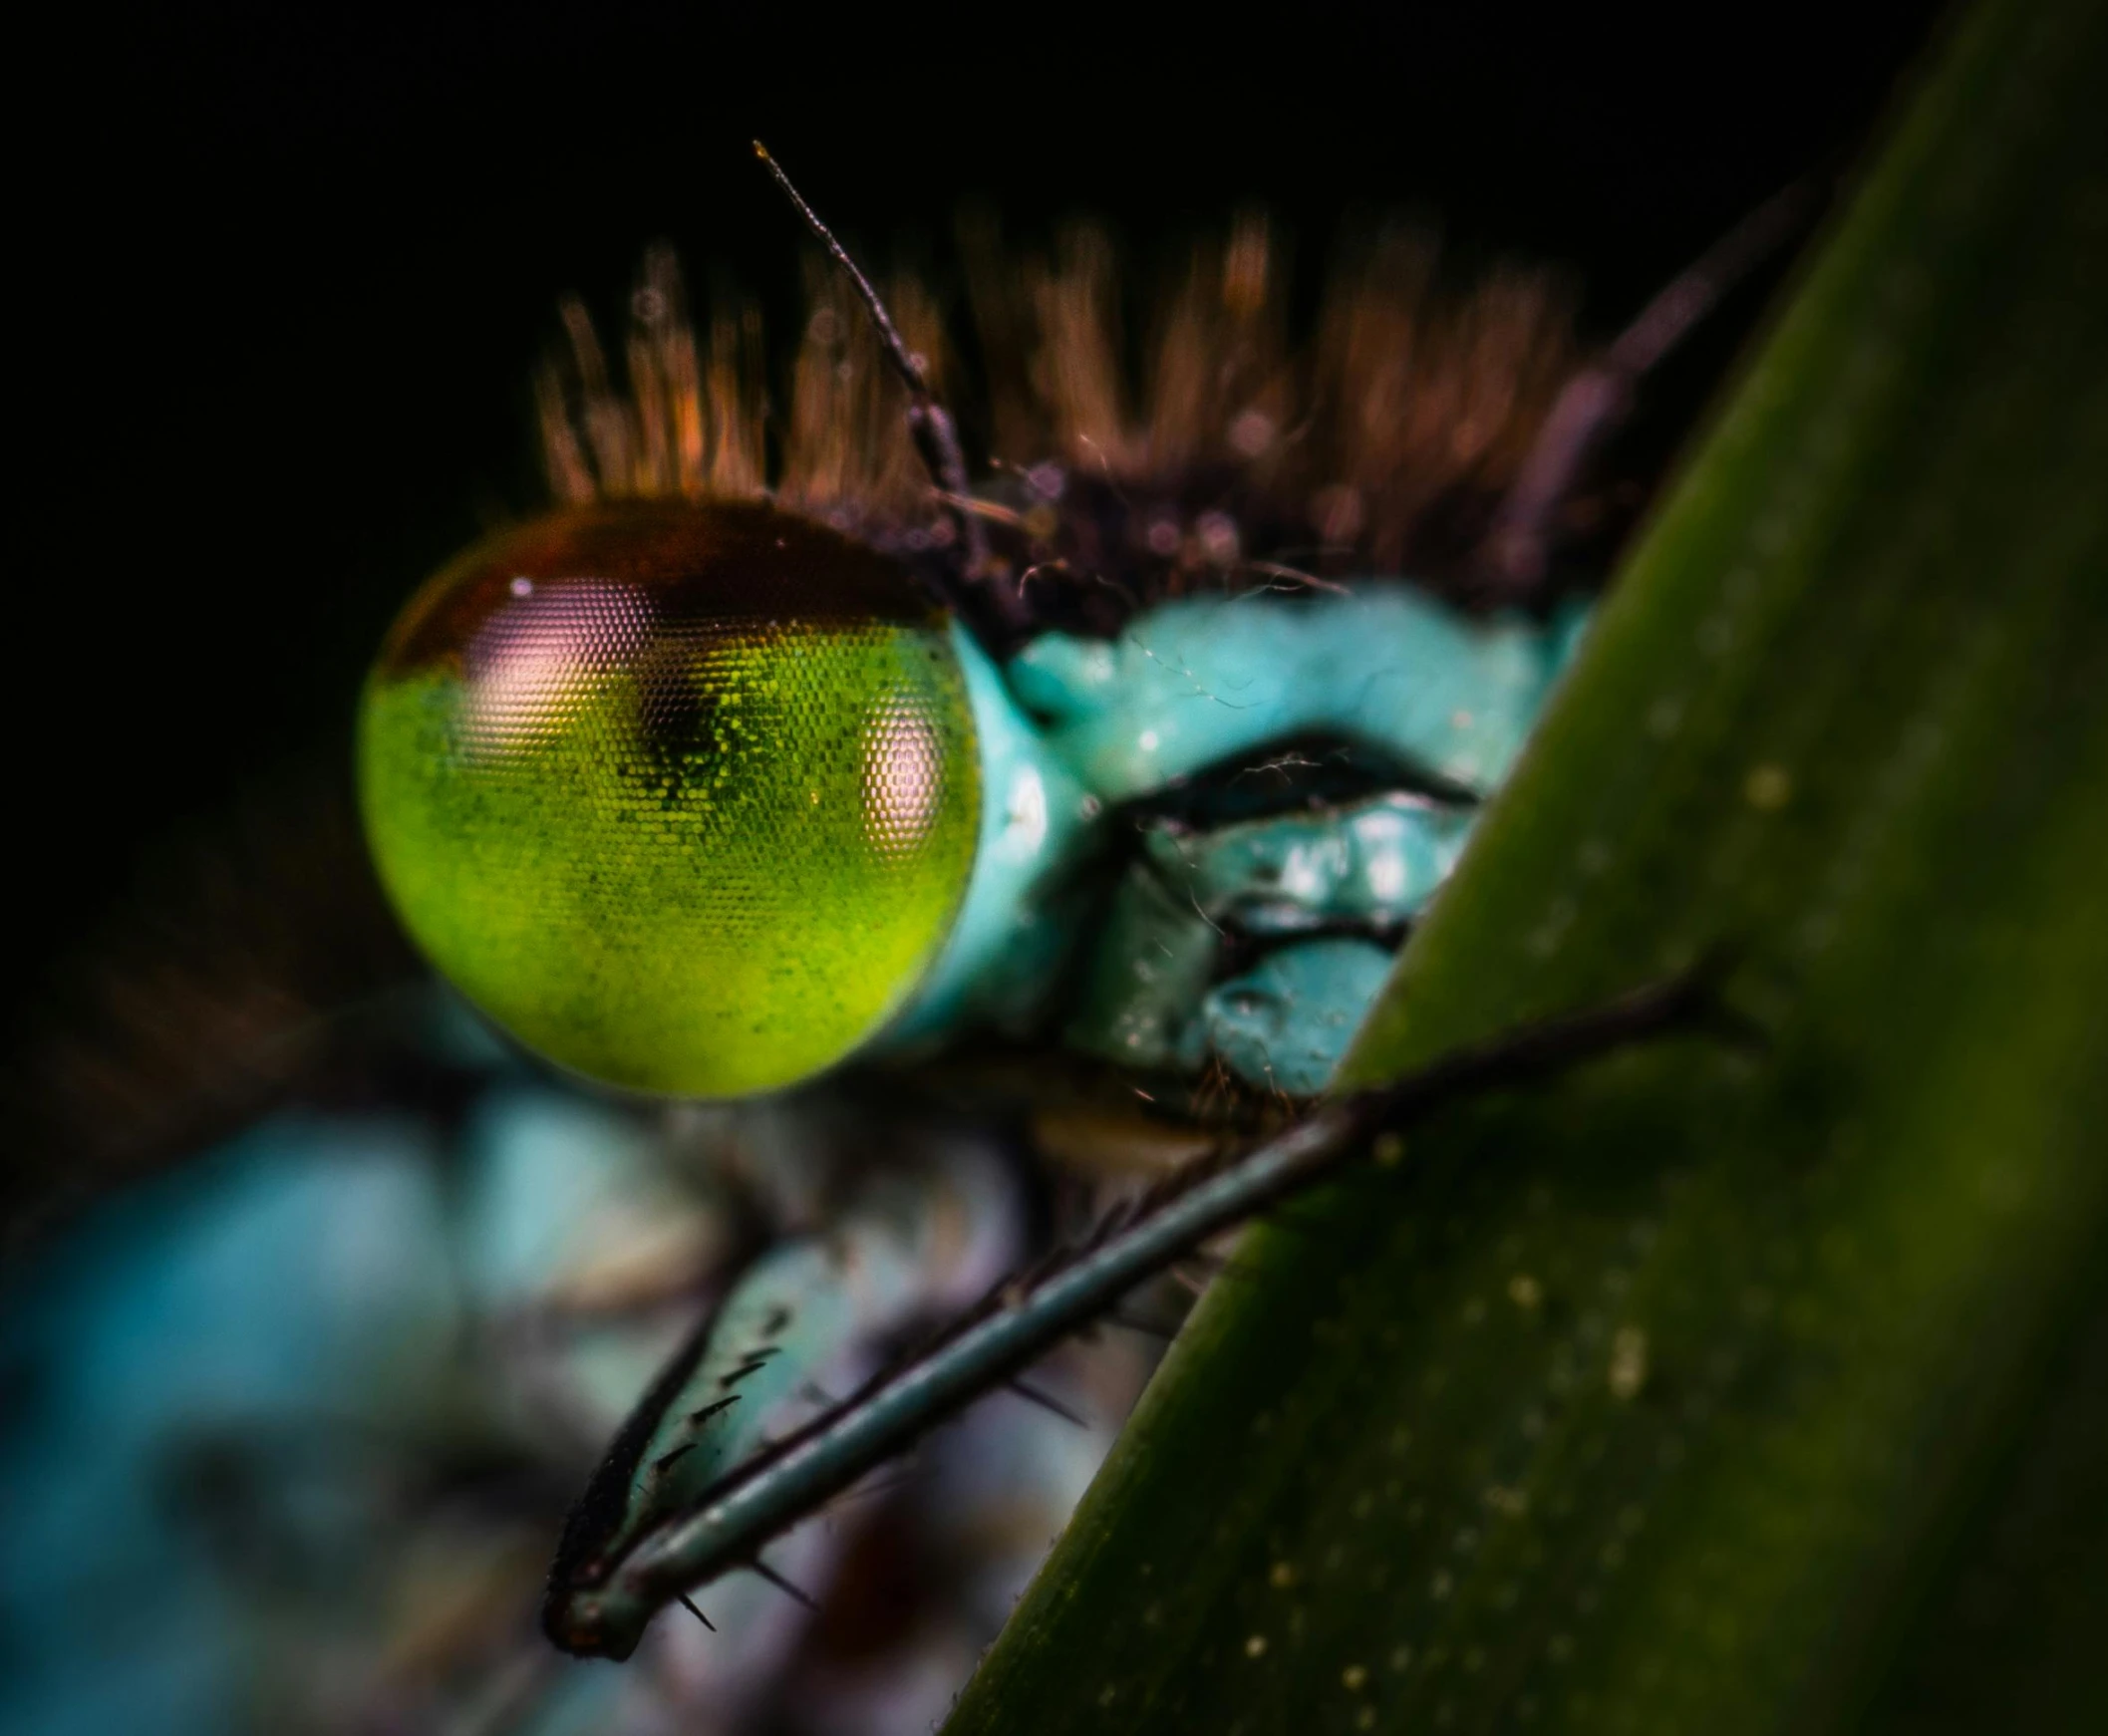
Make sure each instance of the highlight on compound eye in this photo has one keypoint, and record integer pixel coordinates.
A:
(683, 795)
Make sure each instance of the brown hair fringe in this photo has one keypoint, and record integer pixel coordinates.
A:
(1215, 453)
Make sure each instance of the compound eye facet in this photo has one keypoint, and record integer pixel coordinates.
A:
(684, 796)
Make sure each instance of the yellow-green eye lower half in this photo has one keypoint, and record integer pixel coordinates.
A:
(685, 796)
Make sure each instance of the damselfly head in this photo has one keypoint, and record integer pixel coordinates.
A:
(682, 793)
(681, 785)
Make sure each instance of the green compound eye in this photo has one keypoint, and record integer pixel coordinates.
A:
(684, 796)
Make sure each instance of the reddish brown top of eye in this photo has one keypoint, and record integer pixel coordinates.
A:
(725, 561)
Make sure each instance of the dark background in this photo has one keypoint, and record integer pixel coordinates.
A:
(287, 272)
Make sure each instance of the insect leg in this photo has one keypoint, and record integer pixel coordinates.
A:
(730, 1521)
(811, 1309)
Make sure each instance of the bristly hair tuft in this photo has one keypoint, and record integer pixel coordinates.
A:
(692, 421)
(1217, 453)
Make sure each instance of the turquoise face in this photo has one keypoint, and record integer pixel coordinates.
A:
(683, 795)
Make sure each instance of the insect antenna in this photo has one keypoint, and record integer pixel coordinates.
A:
(936, 433)
(1598, 397)
(688, 1604)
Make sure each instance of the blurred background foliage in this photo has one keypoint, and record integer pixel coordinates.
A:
(1724, 1390)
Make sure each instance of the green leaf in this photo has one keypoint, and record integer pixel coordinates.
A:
(1708, 1390)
